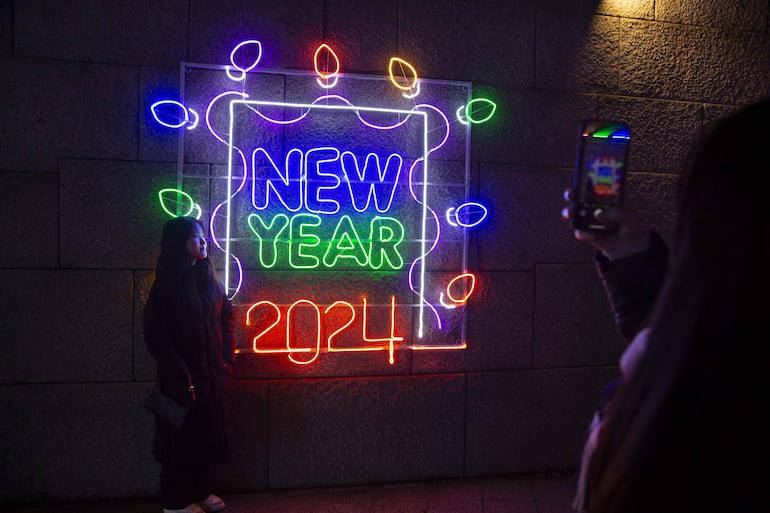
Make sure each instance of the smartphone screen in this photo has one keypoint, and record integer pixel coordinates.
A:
(600, 171)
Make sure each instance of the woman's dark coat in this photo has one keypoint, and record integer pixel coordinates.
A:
(195, 340)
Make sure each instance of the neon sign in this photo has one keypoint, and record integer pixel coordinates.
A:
(347, 193)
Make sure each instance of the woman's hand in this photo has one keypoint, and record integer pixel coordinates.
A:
(632, 235)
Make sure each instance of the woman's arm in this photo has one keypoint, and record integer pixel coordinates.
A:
(632, 284)
(632, 263)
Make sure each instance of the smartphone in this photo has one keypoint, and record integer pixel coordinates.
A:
(599, 180)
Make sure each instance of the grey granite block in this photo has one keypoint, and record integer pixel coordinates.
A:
(363, 34)
(110, 213)
(501, 52)
(284, 28)
(139, 32)
(76, 441)
(530, 421)
(29, 219)
(498, 329)
(157, 142)
(525, 226)
(6, 28)
(661, 131)
(532, 127)
(638, 9)
(366, 430)
(144, 364)
(574, 325)
(690, 63)
(80, 110)
(746, 15)
(577, 52)
(65, 326)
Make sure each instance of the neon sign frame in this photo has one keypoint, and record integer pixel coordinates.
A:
(313, 203)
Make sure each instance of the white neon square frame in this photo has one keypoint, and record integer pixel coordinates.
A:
(310, 106)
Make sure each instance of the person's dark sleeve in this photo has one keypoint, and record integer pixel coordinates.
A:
(632, 285)
(228, 342)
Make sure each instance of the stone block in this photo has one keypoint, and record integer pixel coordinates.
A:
(525, 224)
(367, 430)
(6, 28)
(750, 15)
(574, 325)
(55, 109)
(532, 127)
(65, 326)
(362, 35)
(144, 32)
(110, 213)
(662, 132)
(638, 9)
(691, 63)
(76, 441)
(499, 328)
(530, 421)
(577, 52)
(144, 364)
(158, 142)
(284, 27)
(29, 220)
(502, 50)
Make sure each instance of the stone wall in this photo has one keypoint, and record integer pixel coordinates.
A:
(80, 163)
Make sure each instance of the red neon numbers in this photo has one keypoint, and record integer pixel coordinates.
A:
(271, 319)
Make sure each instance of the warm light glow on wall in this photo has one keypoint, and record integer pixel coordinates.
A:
(614, 5)
(366, 186)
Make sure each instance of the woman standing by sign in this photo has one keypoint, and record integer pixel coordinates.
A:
(188, 328)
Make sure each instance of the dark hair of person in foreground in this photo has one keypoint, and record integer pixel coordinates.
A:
(689, 430)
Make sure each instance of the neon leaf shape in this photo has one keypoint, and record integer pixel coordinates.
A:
(326, 62)
(480, 110)
(402, 74)
(170, 113)
(247, 54)
(461, 287)
(174, 201)
(470, 214)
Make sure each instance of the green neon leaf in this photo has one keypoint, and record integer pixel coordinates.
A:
(175, 201)
(480, 110)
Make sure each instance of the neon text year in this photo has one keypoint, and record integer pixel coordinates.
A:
(295, 240)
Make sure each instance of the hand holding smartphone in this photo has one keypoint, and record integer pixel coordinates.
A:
(600, 172)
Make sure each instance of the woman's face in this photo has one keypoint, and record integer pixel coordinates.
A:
(196, 245)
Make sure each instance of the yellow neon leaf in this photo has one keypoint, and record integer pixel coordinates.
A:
(402, 74)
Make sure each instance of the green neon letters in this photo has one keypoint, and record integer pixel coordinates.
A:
(295, 240)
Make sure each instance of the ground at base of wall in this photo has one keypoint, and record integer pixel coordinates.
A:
(542, 493)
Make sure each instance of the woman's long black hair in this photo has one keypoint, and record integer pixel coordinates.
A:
(688, 430)
(188, 288)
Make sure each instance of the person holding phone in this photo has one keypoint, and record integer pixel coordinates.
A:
(188, 329)
(684, 427)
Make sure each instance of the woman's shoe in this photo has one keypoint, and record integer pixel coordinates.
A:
(192, 508)
(212, 504)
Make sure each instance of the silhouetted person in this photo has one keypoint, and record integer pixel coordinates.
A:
(188, 328)
(685, 428)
